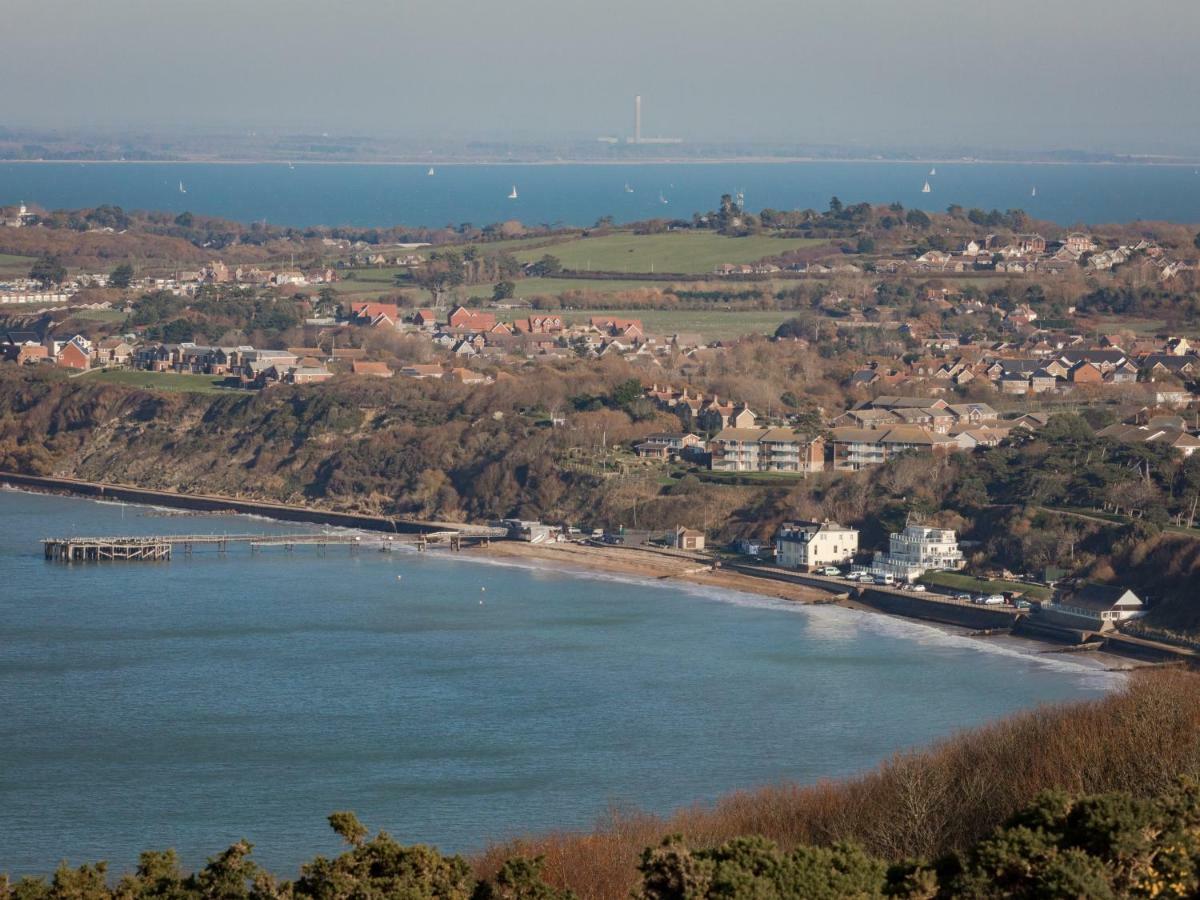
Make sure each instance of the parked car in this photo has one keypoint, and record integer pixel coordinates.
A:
(885, 579)
(919, 588)
(962, 595)
(994, 600)
(831, 571)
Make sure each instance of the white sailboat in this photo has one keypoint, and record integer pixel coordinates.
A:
(927, 189)
(661, 198)
(628, 189)
(1033, 193)
(431, 172)
(512, 195)
(933, 171)
(182, 189)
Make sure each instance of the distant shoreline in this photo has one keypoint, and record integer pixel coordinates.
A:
(675, 161)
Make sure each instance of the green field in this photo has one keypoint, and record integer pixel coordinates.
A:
(683, 252)
(711, 324)
(159, 381)
(958, 582)
(15, 266)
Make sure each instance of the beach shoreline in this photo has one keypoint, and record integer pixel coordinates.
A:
(582, 559)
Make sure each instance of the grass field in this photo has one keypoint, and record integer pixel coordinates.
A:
(711, 324)
(955, 581)
(686, 253)
(159, 381)
(14, 266)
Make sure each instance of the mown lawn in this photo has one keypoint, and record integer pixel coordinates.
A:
(159, 381)
(683, 252)
(15, 266)
(959, 582)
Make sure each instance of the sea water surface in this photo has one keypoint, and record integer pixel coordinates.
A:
(579, 194)
(216, 697)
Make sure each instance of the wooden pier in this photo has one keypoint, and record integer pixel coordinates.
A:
(105, 549)
(158, 548)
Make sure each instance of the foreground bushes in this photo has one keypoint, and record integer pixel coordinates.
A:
(924, 825)
(1098, 847)
(918, 805)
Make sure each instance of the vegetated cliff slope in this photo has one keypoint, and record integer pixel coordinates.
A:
(400, 446)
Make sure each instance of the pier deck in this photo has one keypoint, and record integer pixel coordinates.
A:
(154, 548)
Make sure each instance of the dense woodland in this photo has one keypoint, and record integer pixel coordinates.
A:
(1096, 800)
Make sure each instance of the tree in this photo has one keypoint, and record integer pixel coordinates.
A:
(546, 267)
(48, 270)
(503, 290)
(917, 219)
(121, 276)
(1196, 240)
(185, 220)
(347, 826)
(626, 392)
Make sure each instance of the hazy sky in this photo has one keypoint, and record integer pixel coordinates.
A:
(1103, 74)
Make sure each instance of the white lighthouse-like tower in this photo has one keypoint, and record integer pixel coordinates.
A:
(637, 119)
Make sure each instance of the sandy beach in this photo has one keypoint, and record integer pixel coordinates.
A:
(650, 565)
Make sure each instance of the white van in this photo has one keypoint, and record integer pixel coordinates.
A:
(885, 579)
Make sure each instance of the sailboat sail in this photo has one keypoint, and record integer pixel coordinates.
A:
(182, 189)
(927, 189)
(513, 193)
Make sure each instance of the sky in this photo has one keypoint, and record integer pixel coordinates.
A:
(1105, 75)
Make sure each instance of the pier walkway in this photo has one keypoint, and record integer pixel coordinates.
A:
(154, 548)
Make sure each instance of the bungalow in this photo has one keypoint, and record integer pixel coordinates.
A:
(371, 369)
(1100, 607)
(668, 445)
(422, 371)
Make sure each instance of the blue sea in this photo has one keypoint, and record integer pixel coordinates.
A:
(442, 697)
(580, 194)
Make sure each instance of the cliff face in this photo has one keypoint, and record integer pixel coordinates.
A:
(395, 447)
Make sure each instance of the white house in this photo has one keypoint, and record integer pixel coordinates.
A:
(1096, 606)
(916, 550)
(813, 545)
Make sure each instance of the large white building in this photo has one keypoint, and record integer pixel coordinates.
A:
(813, 545)
(916, 550)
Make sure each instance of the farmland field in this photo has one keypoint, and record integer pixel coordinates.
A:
(686, 253)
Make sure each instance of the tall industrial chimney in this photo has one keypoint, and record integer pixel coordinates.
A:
(637, 119)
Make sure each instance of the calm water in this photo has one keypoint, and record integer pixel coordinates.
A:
(370, 195)
(193, 703)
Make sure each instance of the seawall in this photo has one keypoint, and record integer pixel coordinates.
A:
(216, 503)
(914, 606)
